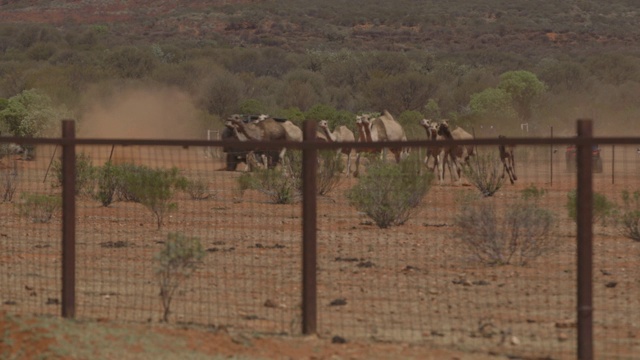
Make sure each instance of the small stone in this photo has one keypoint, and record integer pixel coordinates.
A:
(563, 337)
(338, 340)
(514, 340)
(338, 302)
(611, 284)
(270, 304)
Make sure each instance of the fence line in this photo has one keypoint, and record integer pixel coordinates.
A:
(309, 292)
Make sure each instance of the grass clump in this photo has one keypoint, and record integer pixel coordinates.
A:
(39, 208)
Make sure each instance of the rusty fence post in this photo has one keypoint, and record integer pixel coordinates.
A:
(551, 158)
(68, 220)
(584, 206)
(309, 246)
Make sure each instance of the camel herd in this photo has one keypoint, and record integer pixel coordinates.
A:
(370, 128)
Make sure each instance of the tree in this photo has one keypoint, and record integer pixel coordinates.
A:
(524, 88)
(492, 103)
(31, 113)
(131, 62)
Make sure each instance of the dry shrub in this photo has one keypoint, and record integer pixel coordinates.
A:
(520, 233)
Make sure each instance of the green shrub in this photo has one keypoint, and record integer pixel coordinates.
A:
(389, 192)
(282, 184)
(602, 207)
(520, 234)
(177, 261)
(153, 188)
(107, 183)
(85, 174)
(38, 207)
(628, 222)
(485, 173)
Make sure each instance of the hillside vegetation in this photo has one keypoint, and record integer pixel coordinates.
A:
(305, 59)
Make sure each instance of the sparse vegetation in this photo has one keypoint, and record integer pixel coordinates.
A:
(603, 208)
(153, 188)
(515, 234)
(39, 208)
(8, 182)
(177, 261)
(389, 193)
(197, 189)
(484, 172)
(628, 221)
(85, 174)
(330, 171)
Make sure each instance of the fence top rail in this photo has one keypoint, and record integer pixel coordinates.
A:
(319, 144)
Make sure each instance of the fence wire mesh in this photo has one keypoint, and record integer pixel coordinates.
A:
(423, 282)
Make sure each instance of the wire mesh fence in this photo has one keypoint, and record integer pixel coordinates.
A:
(424, 281)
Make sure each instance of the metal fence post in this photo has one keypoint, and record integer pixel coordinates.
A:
(68, 220)
(584, 204)
(309, 246)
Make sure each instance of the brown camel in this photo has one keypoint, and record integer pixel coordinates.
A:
(339, 134)
(265, 130)
(457, 152)
(508, 160)
(435, 152)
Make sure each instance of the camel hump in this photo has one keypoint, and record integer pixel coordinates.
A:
(389, 129)
(460, 133)
(274, 128)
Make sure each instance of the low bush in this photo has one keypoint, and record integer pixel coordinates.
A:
(85, 174)
(522, 232)
(485, 173)
(330, 170)
(282, 184)
(388, 193)
(177, 261)
(197, 189)
(38, 207)
(603, 208)
(628, 221)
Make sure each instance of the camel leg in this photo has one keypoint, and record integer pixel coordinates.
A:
(349, 164)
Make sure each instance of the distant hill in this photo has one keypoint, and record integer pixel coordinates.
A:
(443, 26)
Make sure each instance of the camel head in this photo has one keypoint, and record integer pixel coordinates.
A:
(444, 129)
(262, 117)
(323, 124)
(235, 118)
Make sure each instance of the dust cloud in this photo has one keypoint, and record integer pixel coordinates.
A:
(140, 113)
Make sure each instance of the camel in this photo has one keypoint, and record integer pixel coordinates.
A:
(265, 130)
(456, 152)
(437, 153)
(508, 160)
(235, 156)
(364, 135)
(339, 134)
(382, 128)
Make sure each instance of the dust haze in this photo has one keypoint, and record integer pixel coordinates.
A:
(140, 113)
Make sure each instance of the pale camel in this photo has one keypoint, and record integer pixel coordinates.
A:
(382, 128)
(454, 153)
(508, 160)
(339, 134)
